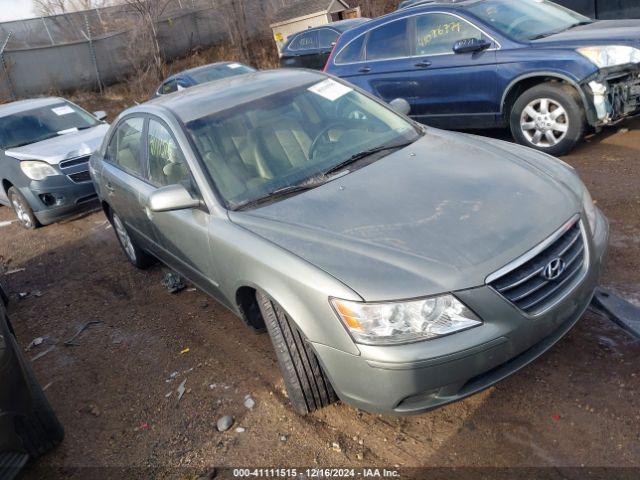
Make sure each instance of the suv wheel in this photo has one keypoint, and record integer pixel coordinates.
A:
(308, 387)
(22, 209)
(138, 257)
(549, 118)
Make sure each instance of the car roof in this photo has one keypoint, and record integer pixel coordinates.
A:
(12, 108)
(201, 68)
(340, 25)
(219, 95)
(428, 3)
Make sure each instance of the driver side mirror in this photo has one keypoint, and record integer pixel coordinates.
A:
(100, 115)
(471, 45)
(172, 198)
(400, 105)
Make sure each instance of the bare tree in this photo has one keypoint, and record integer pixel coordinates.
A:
(56, 7)
(149, 13)
(234, 13)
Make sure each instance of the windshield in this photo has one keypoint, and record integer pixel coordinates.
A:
(527, 19)
(32, 126)
(292, 137)
(220, 71)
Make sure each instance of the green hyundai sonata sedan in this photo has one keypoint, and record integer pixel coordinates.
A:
(395, 266)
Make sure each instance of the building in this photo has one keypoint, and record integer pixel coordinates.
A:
(305, 14)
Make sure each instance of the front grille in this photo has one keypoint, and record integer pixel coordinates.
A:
(547, 276)
(81, 177)
(74, 161)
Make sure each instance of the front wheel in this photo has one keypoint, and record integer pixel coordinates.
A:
(308, 387)
(549, 118)
(22, 209)
(138, 257)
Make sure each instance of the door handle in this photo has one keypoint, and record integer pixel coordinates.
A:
(423, 64)
(365, 70)
(109, 188)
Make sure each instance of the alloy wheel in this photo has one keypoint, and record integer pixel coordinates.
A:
(124, 238)
(544, 122)
(21, 212)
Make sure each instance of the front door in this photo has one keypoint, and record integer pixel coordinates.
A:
(453, 90)
(182, 235)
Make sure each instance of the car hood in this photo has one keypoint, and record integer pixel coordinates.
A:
(603, 32)
(63, 147)
(438, 216)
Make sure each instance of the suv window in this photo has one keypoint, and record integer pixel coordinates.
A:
(167, 165)
(388, 41)
(169, 87)
(305, 41)
(437, 33)
(327, 37)
(352, 52)
(125, 147)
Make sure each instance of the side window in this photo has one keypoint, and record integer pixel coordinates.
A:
(125, 147)
(327, 37)
(437, 33)
(305, 41)
(167, 165)
(352, 52)
(388, 41)
(169, 87)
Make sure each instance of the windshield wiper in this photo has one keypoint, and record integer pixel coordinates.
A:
(308, 184)
(364, 154)
(555, 32)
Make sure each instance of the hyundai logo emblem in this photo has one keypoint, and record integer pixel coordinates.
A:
(554, 269)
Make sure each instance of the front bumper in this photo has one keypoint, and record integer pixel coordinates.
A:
(58, 197)
(615, 95)
(414, 378)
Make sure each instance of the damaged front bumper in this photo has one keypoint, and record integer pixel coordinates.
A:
(615, 95)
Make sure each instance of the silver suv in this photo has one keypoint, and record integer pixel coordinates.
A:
(396, 267)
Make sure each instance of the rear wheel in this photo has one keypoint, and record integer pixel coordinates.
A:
(308, 387)
(138, 257)
(22, 209)
(549, 118)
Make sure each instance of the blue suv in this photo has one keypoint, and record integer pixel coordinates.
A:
(548, 73)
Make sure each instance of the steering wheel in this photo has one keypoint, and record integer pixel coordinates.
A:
(320, 137)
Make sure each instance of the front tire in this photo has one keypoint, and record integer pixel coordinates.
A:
(138, 257)
(548, 117)
(22, 209)
(308, 387)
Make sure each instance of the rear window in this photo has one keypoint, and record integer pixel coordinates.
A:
(305, 41)
(352, 52)
(220, 71)
(388, 41)
(327, 37)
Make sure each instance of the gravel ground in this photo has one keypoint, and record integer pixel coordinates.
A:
(116, 391)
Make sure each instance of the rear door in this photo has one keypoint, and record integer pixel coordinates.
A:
(182, 235)
(123, 178)
(452, 90)
(380, 61)
(302, 52)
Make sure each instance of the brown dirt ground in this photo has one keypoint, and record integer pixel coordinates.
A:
(576, 406)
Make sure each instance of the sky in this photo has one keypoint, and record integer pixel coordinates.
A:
(15, 10)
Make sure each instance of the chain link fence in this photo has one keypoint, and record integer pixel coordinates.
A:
(92, 48)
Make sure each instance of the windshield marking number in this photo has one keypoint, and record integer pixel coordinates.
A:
(330, 89)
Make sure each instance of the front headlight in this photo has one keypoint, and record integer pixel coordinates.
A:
(404, 322)
(611, 55)
(37, 170)
(589, 209)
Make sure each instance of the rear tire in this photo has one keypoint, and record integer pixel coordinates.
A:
(22, 209)
(550, 118)
(308, 387)
(138, 257)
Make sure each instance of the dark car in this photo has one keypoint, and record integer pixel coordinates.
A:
(45, 145)
(198, 75)
(549, 73)
(311, 48)
(28, 426)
